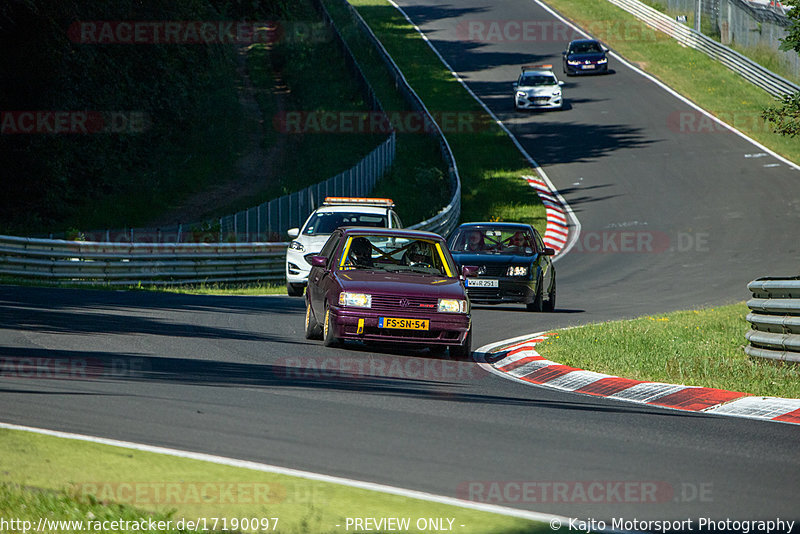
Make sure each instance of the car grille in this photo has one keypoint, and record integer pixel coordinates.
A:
(401, 303)
(483, 293)
(540, 99)
(493, 270)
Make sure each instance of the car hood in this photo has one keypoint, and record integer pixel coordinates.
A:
(381, 282)
(492, 259)
(313, 243)
(594, 56)
(539, 90)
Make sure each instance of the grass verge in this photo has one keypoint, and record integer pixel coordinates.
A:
(57, 478)
(695, 347)
(691, 73)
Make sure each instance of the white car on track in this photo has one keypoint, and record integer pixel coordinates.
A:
(538, 88)
(334, 212)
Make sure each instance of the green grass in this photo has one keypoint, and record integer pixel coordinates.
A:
(44, 476)
(696, 76)
(769, 59)
(489, 164)
(696, 347)
(64, 511)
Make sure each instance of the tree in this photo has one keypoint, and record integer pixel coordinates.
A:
(785, 115)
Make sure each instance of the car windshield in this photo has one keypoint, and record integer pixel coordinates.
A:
(395, 254)
(497, 240)
(586, 48)
(537, 80)
(327, 221)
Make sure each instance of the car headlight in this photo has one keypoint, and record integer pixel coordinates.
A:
(556, 93)
(521, 94)
(517, 270)
(358, 300)
(602, 61)
(296, 245)
(452, 306)
(573, 62)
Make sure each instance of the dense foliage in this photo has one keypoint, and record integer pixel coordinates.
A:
(146, 104)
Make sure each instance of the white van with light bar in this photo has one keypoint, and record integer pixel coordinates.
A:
(334, 212)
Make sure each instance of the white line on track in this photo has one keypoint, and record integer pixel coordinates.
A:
(267, 468)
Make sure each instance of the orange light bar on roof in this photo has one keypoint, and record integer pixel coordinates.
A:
(387, 202)
(531, 67)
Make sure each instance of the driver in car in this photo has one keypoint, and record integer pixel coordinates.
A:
(361, 253)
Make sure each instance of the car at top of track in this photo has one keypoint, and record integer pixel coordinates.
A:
(334, 212)
(513, 264)
(388, 285)
(585, 56)
(538, 88)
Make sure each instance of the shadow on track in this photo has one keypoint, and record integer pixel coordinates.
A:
(295, 372)
(131, 312)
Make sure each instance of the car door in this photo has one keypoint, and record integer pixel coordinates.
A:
(318, 278)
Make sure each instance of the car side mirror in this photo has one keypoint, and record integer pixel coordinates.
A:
(293, 232)
(515, 85)
(564, 53)
(605, 48)
(560, 82)
(469, 270)
(319, 261)
(549, 251)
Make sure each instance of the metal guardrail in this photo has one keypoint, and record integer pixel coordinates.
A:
(86, 262)
(160, 263)
(748, 69)
(775, 319)
(446, 220)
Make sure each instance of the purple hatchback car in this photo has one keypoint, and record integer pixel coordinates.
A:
(388, 285)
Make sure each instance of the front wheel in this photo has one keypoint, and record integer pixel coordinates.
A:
(464, 350)
(538, 301)
(329, 338)
(550, 305)
(294, 290)
(313, 330)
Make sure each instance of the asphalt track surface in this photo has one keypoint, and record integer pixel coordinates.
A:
(234, 376)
